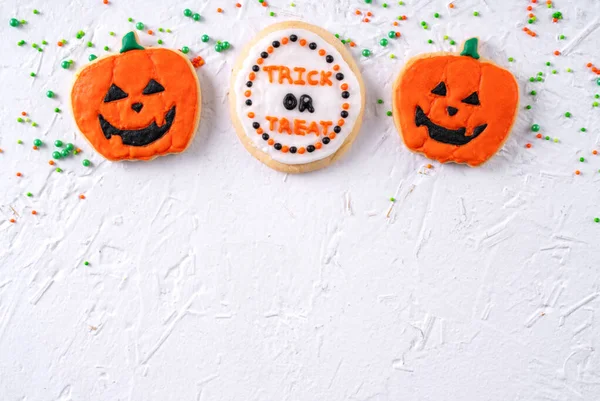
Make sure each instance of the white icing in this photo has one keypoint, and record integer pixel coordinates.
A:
(268, 97)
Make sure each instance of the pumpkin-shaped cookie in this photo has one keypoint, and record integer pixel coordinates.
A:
(455, 108)
(138, 104)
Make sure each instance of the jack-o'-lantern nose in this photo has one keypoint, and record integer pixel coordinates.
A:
(137, 107)
(452, 110)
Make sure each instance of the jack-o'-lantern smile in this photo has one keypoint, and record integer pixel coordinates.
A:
(451, 137)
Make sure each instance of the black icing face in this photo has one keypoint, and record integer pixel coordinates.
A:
(138, 137)
(441, 134)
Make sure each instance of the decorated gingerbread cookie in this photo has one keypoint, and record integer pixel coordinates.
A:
(138, 104)
(455, 108)
(297, 97)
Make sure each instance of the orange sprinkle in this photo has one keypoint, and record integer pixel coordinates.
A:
(150, 32)
(557, 53)
(395, 23)
(238, 5)
(370, 14)
(577, 172)
(589, 65)
(451, 5)
(525, 29)
(404, 17)
(344, 87)
(302, 42)
(252, 76)
(429, 166)
(23, 113)
(341, 122)
(1, 150)
(13, 220)
(398, 34)
(322, 52)
(366, 20)
(248, 93)
(105, 1)
(265, 4)
(251, 115)
(538, 136)
(285, 41)
(219, 10)
(51, 162)
(33, 212)
(594, 152)
(270, 49)
(82, 196)
(357, 12)
(78, 150)
(19, 174)
(59, 44)
(35, 147)
(531, 15)
(528, 146)
(271, 142)
(345, 106)
(534, 1)
(336, 67)
(259, 131)
(529, 8)
(259, 61)
(554, 19)
(352, 44)
(332, 135)
(301, 151)
(285, 149)
(318, 145)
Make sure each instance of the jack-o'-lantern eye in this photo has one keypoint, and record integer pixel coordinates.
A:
(153, 87)
(440, 89)
(473, 99)
(114, 93)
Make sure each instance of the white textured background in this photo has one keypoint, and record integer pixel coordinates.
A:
(212, 277)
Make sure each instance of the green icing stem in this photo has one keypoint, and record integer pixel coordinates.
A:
(470, 48)
(130, 43)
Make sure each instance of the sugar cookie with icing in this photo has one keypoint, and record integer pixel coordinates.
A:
(455, 108)
(296, 98)
(138, 104)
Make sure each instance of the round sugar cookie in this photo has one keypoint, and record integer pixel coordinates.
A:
(138, 104)
(297, 97)
(455, 108)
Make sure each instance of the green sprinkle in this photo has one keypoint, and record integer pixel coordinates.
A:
(539, 79)
(70, 147)
(535, 128)
(56, 155)
(19, 141)
(548, 63)
(272, 13)
(14, 22)
(595, 104)
(597, 220)
(583, 130)
(218, 47)
(562, 37)
(187, 12)
(106, 48)
(185, 50)
(436, 15)
(92, 57)
(205, 38)
(65, 64)
(50, 94)
(597, 96)
(510, 59)
(452, 42)
(35, 11)
(366, 53)
(547, 138)
(44, 42)
(58, 169)
(34, 124)
(554, 72)
(389, 113)
(532, 79)
(161, 30)
(111, 33)
(476, 13)
(29, 194)
(528, 107)
(58, 143)
(392, 199)
(86, 263)
(86, 162)
(195, 17)
(21, 42)
(140, 25)
(568, 114)
(384, 5)
(533, 93)
(430, 41)
(90, 44)
(383, 42)
(368, 1)
(35, 45)
(555, 140)
(582, 159)
(392, 55)
(19, 119)
(380, 101)
(160, 42)
(37, 142)
(65, 153)
(130, 19)
(168, 30)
